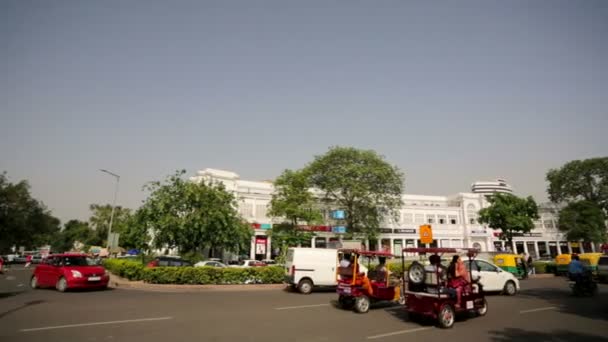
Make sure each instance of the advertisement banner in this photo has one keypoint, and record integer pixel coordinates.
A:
(260, 245)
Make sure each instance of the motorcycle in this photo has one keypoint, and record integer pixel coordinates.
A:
(583, 285)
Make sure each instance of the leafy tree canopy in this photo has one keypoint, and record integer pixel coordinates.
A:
(580, 180)
(510, 214)
(360, 182)
(583, 220)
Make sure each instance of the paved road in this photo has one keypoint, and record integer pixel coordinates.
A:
(544, 311)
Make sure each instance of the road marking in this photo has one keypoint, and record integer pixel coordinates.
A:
(97, 323)
(539, 309)
(19, 285)
(300, 307)
(400, 332)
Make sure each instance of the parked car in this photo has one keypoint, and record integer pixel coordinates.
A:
(602, 268)
(209, 263)
(69, 271)
(168, 261)
(249, 263)
(36, 259)
(269, 262)
(493, 278)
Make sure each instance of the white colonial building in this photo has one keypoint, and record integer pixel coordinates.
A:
(453, 219)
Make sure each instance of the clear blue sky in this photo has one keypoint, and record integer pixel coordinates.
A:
(451, 92)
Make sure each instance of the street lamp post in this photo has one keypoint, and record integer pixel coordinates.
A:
(113, 203)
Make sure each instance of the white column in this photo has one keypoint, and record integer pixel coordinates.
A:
(593, 247)
(489, 245)
(268, 248)
(569, 248)
(415, 243)
(536, 249)
(526, 248)
(378, 244)
(312, 242)
(514, 246)
(559, 248)
(580, 243)
(392, 247)
(367, 244)
(252, 250)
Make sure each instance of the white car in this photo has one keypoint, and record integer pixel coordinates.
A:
(249, 263)
(493, 278)
(209, 263)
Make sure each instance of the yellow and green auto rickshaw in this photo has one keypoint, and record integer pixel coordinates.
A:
(561, 263)
(591, 260)
(511, 263)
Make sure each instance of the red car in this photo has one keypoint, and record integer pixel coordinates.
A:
(69, 271)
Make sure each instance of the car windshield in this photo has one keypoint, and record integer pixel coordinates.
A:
(77, 261)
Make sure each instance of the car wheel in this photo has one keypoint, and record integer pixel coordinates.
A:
(510, 289)
(415, 273)
(447, 316)
(34, 282)
(305, 286)
(62, 284)
(483, 310)
(362, 304)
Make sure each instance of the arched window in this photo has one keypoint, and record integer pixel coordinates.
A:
(477, 246)
(472, 213)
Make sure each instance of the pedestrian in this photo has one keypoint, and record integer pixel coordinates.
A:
(28, 260)
(531, 269)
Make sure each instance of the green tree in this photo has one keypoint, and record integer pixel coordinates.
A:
(193, 216)
(360, 182)
(583, 220)
(292, 201)
(73, 231)
(136, 233)
(100, 222)
(510, 214)
(580, 180)
(24, 220)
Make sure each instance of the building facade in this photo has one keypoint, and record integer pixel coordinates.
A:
(453, 219)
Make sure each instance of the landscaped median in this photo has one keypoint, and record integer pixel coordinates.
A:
(135, 271)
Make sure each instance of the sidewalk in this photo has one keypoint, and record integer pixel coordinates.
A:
(541, 276)
(121, 283)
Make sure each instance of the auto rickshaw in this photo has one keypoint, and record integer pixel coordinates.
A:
(427, 294)
(561, 263)
(511, 263)
(591, 259)
(359, 290)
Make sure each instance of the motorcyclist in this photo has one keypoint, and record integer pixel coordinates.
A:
(576, 269)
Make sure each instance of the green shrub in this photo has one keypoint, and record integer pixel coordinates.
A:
(544, 267)
(129, 269)
(134, 270)
(213, 275)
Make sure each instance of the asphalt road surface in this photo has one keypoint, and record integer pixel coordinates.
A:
(543, 311)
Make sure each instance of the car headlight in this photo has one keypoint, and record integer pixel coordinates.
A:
(76, 274)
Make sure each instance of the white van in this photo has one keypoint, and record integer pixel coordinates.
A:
(309, 267)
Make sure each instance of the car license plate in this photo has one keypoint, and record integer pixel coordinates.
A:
(94, 278)
(470, 305)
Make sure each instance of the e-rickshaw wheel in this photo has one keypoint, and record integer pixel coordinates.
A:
(484, 308)
(446, 316)
(362, 304)
(416, 273)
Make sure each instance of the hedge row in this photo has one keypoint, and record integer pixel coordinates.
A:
(544, 267)
(195, 275)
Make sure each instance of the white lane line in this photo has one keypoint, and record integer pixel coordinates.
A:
(537, 310)
(97, 323)
(300, 307)
(397, 333)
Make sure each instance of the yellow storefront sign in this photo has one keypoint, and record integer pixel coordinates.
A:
(426, 234)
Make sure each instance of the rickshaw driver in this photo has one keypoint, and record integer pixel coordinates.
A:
(381, 270)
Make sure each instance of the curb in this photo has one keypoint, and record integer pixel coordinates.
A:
(121, 283)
